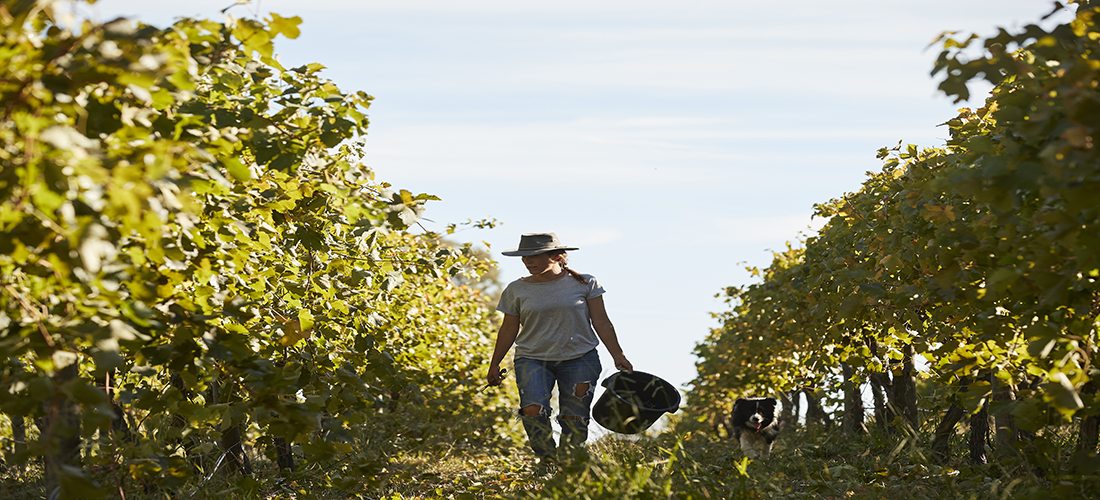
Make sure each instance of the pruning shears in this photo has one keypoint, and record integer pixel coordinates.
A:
(503, 373)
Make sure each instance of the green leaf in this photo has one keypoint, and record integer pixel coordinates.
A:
(851, 305)
(84, 393)
(75, 484)
(107, 356)
(1002, 278)
(1062, 394)
(1029, 414)
(976, 395)
(311, 239)
(306, 319)
(237, 169)
(980, 144)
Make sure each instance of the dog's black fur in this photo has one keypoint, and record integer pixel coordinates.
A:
(755, 425)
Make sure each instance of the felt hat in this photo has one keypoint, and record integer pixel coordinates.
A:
(536, 243)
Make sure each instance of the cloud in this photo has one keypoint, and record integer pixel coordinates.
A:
(589, 236)
(757, 229)
(640, 151)
(744, 11)
(812, 69)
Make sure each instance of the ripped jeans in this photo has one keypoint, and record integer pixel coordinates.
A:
(576, 379)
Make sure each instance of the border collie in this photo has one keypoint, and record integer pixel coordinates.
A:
(755, 425)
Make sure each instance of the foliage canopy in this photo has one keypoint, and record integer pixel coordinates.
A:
(982, 256)
(190, 245)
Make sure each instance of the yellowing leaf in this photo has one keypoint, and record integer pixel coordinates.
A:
(939, 214)
(287, 26)
(1078, 137)
(292, 333)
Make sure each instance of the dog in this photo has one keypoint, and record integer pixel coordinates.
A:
(755, 426)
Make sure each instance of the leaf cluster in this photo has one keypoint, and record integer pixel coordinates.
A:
(189, 241)
(982, 255)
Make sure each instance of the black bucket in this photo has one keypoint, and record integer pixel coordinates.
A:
(634, 401)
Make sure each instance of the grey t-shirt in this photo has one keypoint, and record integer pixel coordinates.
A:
(553, 317)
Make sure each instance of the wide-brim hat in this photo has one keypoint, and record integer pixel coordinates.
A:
(536, 243)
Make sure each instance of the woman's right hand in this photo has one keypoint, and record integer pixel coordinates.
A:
(494, 377)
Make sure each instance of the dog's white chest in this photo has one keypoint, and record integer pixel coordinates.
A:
(755, 446)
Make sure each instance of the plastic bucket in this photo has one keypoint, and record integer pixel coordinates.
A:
(634, 401)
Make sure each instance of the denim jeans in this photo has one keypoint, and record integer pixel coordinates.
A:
(536, 381)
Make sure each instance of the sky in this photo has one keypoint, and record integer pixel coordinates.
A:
(674, 142)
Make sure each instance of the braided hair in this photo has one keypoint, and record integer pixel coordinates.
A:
(564, 261)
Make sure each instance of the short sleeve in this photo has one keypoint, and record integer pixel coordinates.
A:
(594, 288)
(507, 302)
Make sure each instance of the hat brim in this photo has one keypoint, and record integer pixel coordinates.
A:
(524, 253)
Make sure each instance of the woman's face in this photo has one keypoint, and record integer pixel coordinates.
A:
(541, 264)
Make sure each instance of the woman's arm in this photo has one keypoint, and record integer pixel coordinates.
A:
(606, 331)
(506, 336)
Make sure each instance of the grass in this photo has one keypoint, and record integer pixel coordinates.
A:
(805, 464)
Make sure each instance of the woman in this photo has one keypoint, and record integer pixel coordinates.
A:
(556, 318)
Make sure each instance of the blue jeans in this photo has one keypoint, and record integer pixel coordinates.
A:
(536, 380)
